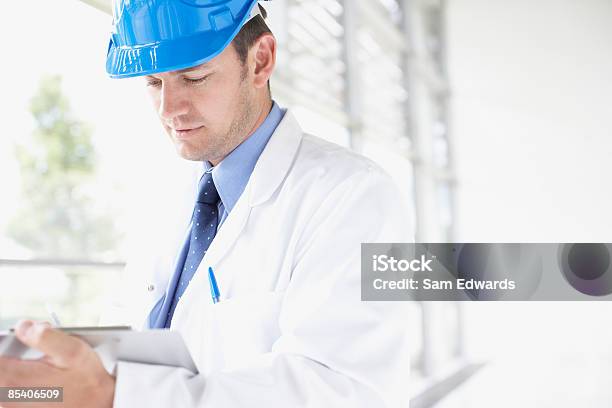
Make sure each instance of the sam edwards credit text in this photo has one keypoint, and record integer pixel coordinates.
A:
(432, 284)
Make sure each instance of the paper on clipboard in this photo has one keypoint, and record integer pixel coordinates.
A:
(158, 347)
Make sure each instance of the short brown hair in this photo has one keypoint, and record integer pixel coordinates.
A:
(249, 33)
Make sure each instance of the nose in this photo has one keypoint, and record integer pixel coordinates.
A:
(172, 103)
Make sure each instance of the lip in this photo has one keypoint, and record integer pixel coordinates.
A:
(186, 133)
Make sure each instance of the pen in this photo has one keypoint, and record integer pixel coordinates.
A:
(214, 289)
(54, 319)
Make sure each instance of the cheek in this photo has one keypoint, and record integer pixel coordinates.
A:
(213, 104)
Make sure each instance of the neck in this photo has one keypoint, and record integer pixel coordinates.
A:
(264, 109)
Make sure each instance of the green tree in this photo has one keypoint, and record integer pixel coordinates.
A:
(56, 217)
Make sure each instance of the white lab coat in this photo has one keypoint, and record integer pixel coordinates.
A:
(290, 330)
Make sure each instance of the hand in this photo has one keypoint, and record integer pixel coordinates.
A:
(69, 362)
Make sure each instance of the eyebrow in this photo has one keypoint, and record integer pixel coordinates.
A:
(186, 70)
(201, 66)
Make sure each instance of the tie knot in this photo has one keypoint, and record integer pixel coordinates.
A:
(207, 192)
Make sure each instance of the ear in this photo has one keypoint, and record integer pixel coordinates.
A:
(264, 56)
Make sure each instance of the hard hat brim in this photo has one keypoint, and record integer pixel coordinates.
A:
(171, 55)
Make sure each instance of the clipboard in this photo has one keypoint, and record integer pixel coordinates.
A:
(121, 343)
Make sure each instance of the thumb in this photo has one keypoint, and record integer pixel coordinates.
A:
(62, 350)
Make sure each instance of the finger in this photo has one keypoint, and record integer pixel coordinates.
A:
(22, 373)
(8, 367)
(24, 325)
(63, 350)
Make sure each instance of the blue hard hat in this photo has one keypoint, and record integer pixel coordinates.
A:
(153, 36)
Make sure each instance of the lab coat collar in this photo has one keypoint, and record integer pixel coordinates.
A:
(275, 161)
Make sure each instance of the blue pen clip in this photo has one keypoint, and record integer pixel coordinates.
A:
(214, 289)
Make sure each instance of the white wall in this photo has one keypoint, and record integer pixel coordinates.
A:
(532, 123)
(532, 119)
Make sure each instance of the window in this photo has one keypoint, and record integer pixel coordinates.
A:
(75, 160)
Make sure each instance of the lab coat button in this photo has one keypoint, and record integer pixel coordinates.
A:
(151, 288)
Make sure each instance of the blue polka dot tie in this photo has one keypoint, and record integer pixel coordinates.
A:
(203, 230)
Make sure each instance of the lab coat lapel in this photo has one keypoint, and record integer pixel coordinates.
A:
(221, 245)
(275, 161)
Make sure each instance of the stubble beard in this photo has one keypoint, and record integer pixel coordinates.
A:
(238, 130)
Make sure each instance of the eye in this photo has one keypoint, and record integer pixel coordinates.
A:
(153, 82)
(197, 80)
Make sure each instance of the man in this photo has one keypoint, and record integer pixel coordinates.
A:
(279, 217)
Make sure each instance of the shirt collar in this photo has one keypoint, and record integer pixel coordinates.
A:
(232, 174)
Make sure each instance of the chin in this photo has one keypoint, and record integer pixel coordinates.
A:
(189, 153)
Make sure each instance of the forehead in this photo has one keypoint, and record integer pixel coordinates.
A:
(197, 68)
(200, 67)
(222, 59)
